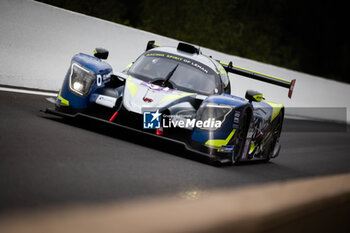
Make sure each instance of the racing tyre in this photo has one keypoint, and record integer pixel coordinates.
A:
(240, 136)
(275, 146)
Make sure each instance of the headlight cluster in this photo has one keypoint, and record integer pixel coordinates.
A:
(213, 112)
(81, 79)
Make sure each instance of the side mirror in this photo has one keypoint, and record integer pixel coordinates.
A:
(253, 96)
(101, 53)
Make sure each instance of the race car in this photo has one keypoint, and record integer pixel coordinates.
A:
(176, 94)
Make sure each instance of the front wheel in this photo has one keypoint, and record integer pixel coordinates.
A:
(275, 146)
(240, 137)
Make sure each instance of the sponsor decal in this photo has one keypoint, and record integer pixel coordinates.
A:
(106, 101)
(154, 120)
(226, 148)
(147, 100)
(156, 87)
(181, 59)
(210, 123)
(151, 120)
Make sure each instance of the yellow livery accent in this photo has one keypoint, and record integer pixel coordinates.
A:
(276, 109)
(174, 97)
(216, 143)
(270, 76)
(128, 66)
(258, 97)
(252, 148)
(62, 101)
(131, 86)
(221, 69)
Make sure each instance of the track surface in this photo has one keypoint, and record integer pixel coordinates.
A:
(47, 161)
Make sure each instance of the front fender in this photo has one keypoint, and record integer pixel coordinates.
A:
(101, 71)
(218, 139)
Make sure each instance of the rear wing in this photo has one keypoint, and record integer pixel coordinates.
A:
(230, 68)
(261, 77)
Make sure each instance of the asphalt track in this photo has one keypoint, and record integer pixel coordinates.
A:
(48, 161)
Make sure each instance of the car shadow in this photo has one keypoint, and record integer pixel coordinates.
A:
(130, 136)
(141, 139)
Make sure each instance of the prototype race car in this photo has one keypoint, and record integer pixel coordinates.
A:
(177, 94)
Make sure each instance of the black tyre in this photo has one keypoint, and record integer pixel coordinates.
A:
(274, 148)
(240, 136)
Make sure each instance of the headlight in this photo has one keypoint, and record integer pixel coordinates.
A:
(80, 79)
(213, 112)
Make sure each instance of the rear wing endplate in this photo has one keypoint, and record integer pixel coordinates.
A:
(151, 45)
(261, 77)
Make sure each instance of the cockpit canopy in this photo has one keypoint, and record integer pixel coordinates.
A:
(189, 75)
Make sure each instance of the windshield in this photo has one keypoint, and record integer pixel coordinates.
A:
(188, 75)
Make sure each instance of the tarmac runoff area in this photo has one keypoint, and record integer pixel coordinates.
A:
(125, 182)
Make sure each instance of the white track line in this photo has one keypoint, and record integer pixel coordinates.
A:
(44, 93)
